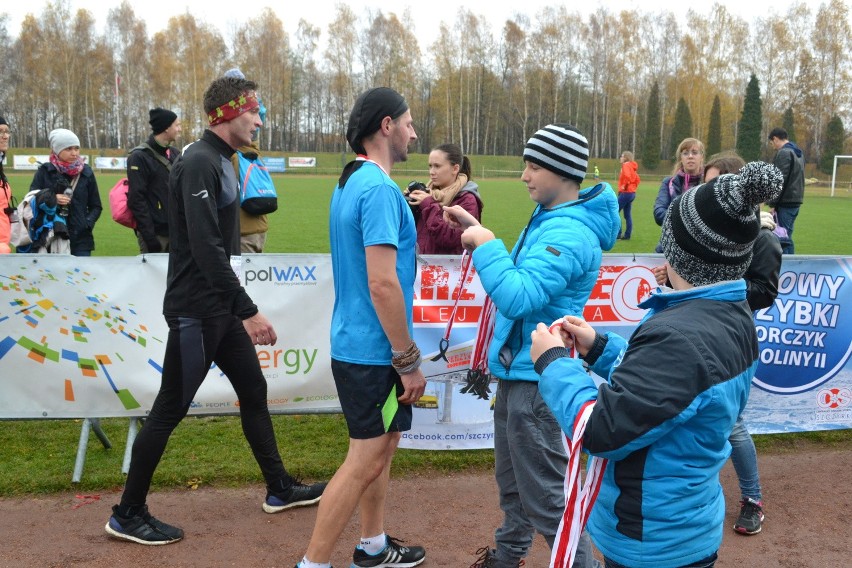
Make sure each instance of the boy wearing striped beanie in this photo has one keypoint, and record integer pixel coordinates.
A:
(549, 273)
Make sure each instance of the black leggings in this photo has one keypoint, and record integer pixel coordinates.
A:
(192, 346)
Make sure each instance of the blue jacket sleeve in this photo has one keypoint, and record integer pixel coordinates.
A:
(565, 387)
(661, 204)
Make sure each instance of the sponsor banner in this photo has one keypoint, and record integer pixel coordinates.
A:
(107, 163)
(275, 165)
(295, 162)
(77, 339)
(86, 337)
(33, 161)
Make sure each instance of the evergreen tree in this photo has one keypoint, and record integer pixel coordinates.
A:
(749, 142)
(833, 146)
(651, 145)
(788, 124)
(682, 126)
(714, 129)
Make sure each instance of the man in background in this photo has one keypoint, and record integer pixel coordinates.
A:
(148, 168)
(789, 159)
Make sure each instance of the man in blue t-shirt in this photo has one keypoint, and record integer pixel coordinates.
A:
(375, 363)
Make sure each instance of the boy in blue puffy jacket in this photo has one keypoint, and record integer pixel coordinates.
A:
(549, 273)
(673, 392)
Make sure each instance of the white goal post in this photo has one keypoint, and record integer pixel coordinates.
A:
(834, 172)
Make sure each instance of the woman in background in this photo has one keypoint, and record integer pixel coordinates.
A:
(69, 185)
(687, 172)
(450, 184)
(628, 182)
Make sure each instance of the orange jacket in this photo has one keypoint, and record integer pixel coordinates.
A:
(628, 180)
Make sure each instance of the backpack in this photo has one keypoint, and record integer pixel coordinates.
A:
(119, 210)
(257, 192)
(20, 236)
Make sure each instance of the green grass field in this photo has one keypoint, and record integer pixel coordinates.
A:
(38, 456)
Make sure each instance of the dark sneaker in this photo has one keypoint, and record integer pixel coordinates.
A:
(394, 555)
(297, 495)
(142, 528)
(488, 559)
(751, 516)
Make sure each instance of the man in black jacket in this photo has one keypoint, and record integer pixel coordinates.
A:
(211, 318)
(789, 159)
(148, 167)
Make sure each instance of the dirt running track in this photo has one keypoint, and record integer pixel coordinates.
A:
(809, 511)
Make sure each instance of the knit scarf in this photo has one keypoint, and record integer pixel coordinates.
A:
(68, 168)
(446, 195)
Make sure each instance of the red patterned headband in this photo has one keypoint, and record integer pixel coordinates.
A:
(234, 108)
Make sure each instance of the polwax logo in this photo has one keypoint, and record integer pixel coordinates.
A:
(805, 336)
(283, 275)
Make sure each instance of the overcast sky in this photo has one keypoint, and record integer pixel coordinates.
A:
(427, 15)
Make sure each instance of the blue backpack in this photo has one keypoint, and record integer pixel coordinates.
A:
(257, 192)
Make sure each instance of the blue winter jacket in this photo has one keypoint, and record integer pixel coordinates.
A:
(556, 267)
(663, 419)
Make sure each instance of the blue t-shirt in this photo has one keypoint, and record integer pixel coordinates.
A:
(369, 210)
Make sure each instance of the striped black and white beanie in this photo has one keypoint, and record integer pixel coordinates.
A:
(561, 149)
(709, 231)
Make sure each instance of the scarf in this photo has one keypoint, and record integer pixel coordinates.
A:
(445, 195)
(689, 181)
(68, 168)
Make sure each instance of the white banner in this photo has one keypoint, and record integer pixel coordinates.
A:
(307, 162)
(107, 163)
(85, 337)
(33, 161)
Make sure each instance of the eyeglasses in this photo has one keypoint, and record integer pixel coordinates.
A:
(5, 133)
(688, 153)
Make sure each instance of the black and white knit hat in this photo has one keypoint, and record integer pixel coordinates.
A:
(709, 231)
(561, 149)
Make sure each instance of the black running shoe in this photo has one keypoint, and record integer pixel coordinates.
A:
(751, 517)
(142, 528)
(394, 555)
(297, 495)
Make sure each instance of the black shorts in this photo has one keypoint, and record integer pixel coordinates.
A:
(368, 398)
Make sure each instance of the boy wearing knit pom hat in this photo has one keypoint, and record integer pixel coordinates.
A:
(549, 273)
(148, 169)
(671, 395)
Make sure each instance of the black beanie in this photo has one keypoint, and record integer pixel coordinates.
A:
(709, 231)
(3, 121)
(161, 119)
(371, 107)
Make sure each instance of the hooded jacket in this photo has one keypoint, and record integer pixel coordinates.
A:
(550, 273)
(662, 419)
(789, 159)
(628, 180)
